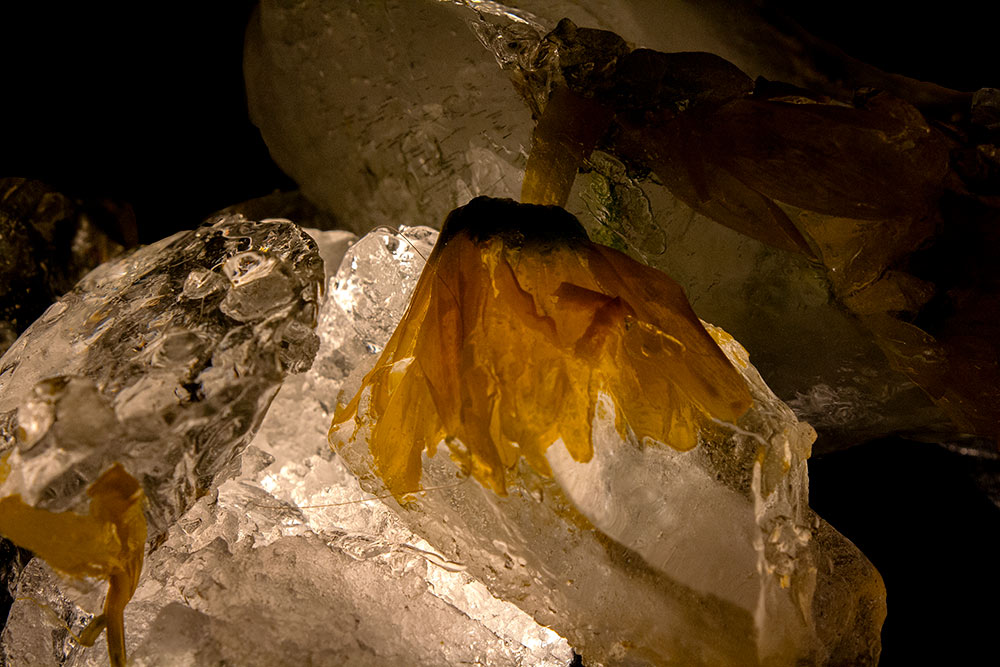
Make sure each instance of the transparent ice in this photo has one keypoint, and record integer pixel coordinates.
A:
(646, 555)
(164, 360)
(290, 562)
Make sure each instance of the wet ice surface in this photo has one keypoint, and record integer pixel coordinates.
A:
(710, 555)
(291, 562)
(409, 144)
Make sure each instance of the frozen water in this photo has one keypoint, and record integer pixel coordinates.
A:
(646, 555)
(291, 562)
(379, 137)
(164, 360)
(710, 556)
(161, 362)
(371, 297)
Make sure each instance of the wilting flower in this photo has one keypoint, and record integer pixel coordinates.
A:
(107, 543)
(517, 325)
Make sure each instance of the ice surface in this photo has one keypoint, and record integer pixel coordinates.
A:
(394, 112)
(156, 367)
(290, 562)
(379, 138)
(402, 111)
(379, 281)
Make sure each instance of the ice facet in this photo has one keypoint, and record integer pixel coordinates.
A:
(134, 394)
(380, 138)
(44, 613)
(371, 297)
(517, 324)
(164, 360)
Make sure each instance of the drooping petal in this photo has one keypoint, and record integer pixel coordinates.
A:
(566, 134)
(517, 325)
(107, 543)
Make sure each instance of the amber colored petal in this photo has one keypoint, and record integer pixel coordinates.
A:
(78, 545)
(406, 426)
(400, 402)
(108, 543)
(509, 340)
(671, 339)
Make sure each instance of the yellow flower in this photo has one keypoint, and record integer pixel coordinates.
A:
(107, 543)
(516, 326)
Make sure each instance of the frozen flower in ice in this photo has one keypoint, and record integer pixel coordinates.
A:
(517, 325)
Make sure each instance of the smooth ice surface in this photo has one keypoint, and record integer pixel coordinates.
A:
(160, 366)
(394, 111)
(290, 562)
(408, 143)
(402, 111)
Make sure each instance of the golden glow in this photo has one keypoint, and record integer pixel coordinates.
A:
(513, 331)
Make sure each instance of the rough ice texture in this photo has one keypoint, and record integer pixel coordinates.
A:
(646, 555)
(290, 562)
(402, 111)
(164, 360)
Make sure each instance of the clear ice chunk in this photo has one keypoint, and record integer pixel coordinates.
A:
(164, 360)
(403, 111)
(646, 555)
(382, 138)
(291, 562)
(371, 298)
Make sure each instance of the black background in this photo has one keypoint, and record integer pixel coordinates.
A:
(140, 102)
(147, 106)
